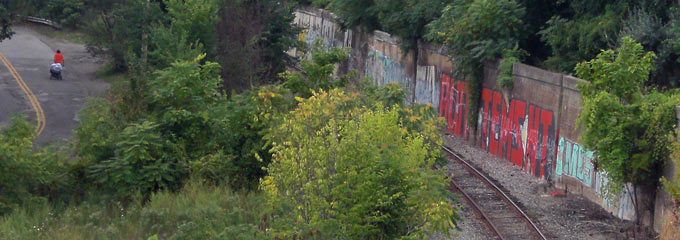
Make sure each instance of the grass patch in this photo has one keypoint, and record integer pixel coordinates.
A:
(196, 212)
(70, 35)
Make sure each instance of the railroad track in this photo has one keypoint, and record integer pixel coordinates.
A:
(500, 214)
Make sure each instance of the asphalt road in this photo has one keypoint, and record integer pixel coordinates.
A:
(30, 54)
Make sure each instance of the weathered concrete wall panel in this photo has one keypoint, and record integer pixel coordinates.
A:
(386, 63)
(663, 204)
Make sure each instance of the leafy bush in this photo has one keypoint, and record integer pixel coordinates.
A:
(506, 80)
(29, 176)
(243, 122)
(351, 172)
(170, 45)
(317, 72)
(182, 96)
(143, 163)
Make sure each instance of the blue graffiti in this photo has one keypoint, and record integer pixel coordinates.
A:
(574, 161)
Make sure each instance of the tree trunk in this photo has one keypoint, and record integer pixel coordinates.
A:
(145, 35)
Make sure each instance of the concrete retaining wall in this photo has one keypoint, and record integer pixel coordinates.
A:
(531, 126)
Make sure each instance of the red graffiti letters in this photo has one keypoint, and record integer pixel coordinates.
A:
(522, 133)
(452, 106)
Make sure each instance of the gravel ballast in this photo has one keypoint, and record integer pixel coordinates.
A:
(566, 217)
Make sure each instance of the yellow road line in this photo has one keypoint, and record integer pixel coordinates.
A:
(39, 113)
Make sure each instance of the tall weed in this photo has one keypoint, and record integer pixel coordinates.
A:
(197, 211)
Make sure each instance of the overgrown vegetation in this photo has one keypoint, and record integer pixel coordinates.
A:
(27, 176)
(197, 211)
(331, 158)
(162, 154)
(625, 123)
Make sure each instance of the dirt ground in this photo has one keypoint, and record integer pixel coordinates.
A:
(565, 217)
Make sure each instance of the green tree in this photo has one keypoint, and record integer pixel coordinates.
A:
(5, 21)
(475, 31)
(579, 29)
(355, 173)
(357, 13)
(624, 123)
(404, 18)
(408, 18)
(197, 20)
(119, 31)
(66, 12)
(254, 37)
(655, 34)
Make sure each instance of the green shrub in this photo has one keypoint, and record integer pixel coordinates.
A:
(29, 176)
(242, 122)
(143, 163)
(510, 56)
(355, 173)
(318, 72)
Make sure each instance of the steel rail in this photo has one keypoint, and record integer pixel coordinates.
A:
(497, 190)
(478, 209)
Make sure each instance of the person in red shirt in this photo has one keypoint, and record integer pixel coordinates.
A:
(58, 58)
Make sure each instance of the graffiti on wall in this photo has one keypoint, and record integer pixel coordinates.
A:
(574, 161)
(622, 205)
(384, 70)
(452, 105)
(427, 90)
(317, 27)
(522, 133)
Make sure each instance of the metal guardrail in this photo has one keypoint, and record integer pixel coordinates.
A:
(43, 21)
